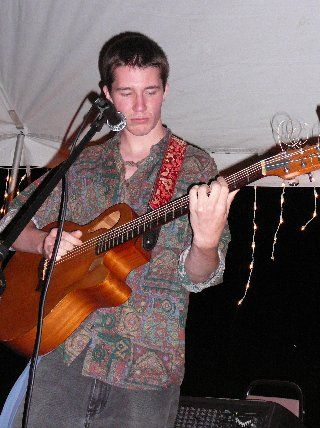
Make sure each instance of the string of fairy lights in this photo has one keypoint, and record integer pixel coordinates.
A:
(287, 134)
(253, 246)
(314, 215)
(20, 185)
(281, 220)
(275, 237)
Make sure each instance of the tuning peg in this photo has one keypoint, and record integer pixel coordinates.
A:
(294, 182)
(310, 175)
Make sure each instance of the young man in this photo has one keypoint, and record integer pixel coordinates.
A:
(124, 365)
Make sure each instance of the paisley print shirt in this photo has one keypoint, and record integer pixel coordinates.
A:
(140, 344)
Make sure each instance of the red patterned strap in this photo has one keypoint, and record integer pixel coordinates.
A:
(168, 173)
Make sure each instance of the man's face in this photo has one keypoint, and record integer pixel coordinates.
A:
(138, 93)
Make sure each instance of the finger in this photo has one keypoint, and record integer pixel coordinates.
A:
(193, 197)
(53, 232)
(223, 186)
(72, 237)
(203, 191)
(219, 193)
(222, 181)
(199, 197)
(77, 233)
(66, 246)
(215, 190)
(67, 243)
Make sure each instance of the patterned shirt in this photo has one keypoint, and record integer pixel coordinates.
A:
(140, 344)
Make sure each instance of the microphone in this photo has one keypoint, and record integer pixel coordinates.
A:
(115, 120)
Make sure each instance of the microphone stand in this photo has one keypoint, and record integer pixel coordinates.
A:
(11, 232)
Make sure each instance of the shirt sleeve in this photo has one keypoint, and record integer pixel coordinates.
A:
(201, 165)
(214, 279)
(4, 222)
(7, 218)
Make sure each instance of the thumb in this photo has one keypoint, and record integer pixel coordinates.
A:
(230, 199)
(76, 233)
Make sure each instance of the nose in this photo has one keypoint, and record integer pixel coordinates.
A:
(139, 103)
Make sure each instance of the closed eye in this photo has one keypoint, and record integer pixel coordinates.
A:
(125, 93)
(152, 90)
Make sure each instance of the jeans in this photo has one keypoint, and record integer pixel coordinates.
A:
(63, 398)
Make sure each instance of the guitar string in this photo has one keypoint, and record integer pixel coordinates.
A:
(136, 223)
(125, 228)
(173, 206)
(113, 233)
(116, 232)
(281, 157)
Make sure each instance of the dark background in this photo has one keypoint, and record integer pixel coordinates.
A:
(274, 334)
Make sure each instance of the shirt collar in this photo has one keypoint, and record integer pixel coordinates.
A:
(155, 152)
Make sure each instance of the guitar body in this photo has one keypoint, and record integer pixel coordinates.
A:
(79, 285)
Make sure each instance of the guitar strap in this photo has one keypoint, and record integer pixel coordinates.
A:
(165, 183)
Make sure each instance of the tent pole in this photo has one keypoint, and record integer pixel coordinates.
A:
(15, 166)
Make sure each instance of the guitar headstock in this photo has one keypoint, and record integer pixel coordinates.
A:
(293, 162)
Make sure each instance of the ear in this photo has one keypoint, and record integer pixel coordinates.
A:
(166, 90)
(107, 93)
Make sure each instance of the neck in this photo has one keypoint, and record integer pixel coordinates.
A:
(137, 147)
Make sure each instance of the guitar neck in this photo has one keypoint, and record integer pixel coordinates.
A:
(168, 212)
(285, 164)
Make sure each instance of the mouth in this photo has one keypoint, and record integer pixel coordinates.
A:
(139, 119)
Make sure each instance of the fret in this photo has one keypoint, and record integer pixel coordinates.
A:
(154, 223)
(157, 220)
(298, 160)
(284, 165)
(161, 216)
(248, 176)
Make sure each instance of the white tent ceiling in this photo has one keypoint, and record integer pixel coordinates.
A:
(234, 64)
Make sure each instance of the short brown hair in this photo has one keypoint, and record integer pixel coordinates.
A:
(132, 49)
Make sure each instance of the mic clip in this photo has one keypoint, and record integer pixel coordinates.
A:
(104, 105)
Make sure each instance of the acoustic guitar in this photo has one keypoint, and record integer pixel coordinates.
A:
(93, 275)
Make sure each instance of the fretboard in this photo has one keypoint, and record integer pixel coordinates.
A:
(167, 213)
